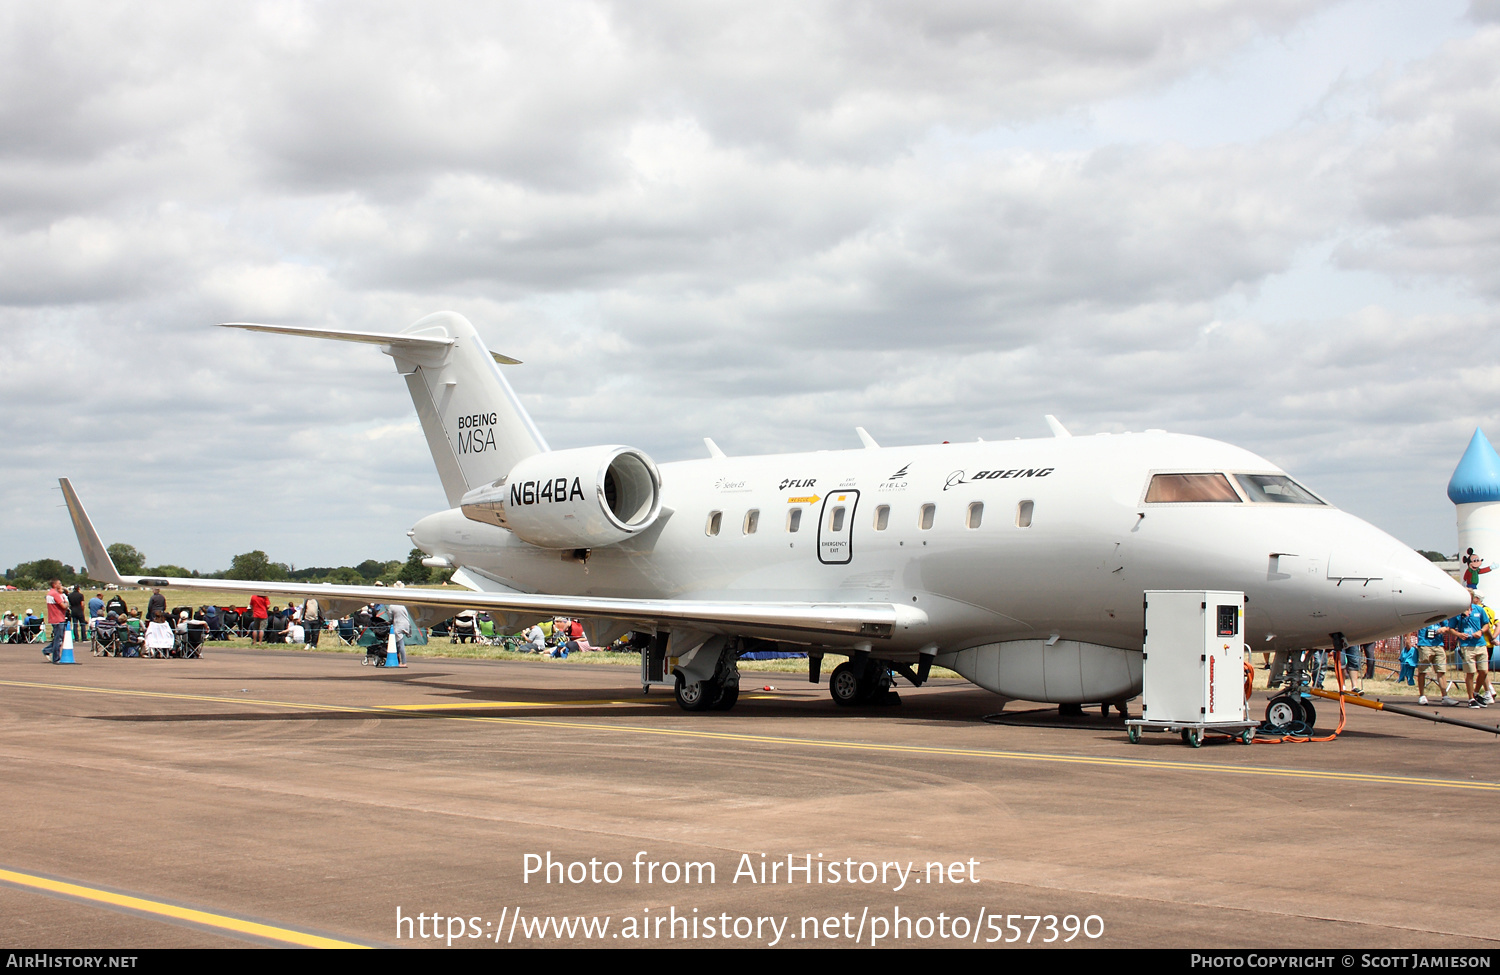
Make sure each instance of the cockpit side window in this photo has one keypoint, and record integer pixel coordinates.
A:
(1181, 488)
(1275, 489)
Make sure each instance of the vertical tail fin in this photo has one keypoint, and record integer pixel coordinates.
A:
(475, 427)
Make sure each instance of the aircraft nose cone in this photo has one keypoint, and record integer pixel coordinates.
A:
(1422, 591)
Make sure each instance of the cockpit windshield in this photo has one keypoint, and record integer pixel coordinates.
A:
(1274, 488)
(1181, 488)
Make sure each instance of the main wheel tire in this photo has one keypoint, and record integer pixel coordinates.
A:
(846, 689)
(727, 696)
(877, 686)
(697, 696)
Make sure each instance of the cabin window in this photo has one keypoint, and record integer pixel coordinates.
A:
(794, 519)
(882, 517)
(1023, 514)
(976, 514)
(1178, 488)
(715, 522)
(836, 519)
(929, 511)
(1275, 488)
(752, 521)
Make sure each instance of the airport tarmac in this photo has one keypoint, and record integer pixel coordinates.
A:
(282, 798)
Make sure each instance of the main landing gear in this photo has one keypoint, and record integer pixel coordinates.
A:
(875, 686)
(720, 690)
(706, 695)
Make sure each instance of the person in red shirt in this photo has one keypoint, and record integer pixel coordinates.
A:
(259, 611)
(57, 617)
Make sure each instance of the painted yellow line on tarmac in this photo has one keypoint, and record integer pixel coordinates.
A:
(222, 922)
(123, 692)
(1333, 775)
(337, 708)
(483, 705)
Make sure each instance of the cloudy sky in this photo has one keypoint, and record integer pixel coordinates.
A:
(1271, 222)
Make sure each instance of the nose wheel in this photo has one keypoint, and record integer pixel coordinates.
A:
(1285, 710)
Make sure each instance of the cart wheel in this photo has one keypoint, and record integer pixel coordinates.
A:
(1133, 733)
(1248, 736)
(1192, 737)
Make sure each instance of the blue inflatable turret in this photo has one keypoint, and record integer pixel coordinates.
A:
(1477, 476)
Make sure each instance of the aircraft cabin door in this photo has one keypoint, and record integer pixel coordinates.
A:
(836, 526)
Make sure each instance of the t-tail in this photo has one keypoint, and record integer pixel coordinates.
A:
(475, 427)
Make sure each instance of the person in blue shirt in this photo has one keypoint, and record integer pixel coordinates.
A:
(1431, 653)
(1408, 662)
(1470, 628)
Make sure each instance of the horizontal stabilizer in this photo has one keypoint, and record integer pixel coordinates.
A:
(475, 427)
(388, 340)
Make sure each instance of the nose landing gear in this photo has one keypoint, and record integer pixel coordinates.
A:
(1290, 707)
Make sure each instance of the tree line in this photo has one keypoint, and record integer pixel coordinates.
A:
(253, 566)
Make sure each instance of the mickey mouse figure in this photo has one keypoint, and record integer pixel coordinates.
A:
(1474, 567)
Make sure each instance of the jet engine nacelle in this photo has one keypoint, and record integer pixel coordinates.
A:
(587, 497)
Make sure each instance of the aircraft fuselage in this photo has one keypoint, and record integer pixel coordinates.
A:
(994, 541)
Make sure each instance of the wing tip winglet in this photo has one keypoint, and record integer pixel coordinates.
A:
(101, 568)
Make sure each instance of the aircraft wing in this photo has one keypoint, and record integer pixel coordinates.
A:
(849, 624)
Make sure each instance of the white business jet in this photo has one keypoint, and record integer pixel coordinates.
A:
(1019, 564)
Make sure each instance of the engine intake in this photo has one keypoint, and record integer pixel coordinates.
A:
(587, 497)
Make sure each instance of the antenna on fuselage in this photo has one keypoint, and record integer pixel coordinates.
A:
(866, 439)
(713, 449)
(1058, 430)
